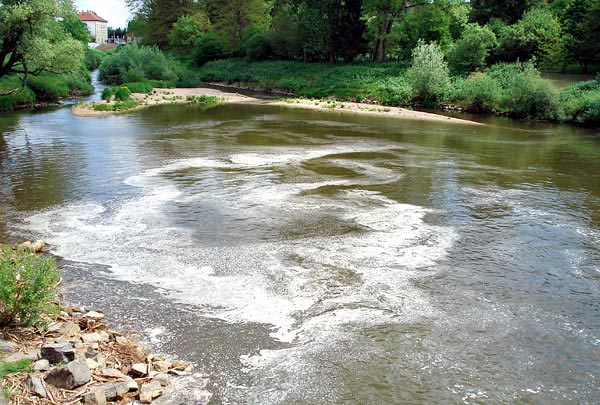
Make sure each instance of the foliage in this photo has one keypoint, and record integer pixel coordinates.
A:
(186, 31)
(107, 94)
(581, 102)
(509, 11)
(208, 47)
(93, 58)
(139, 87)
(20, 366)
(202, 99)
(470, 52)
(118, 106)
(581, 22)
(34, 40)
(353, 81)
(429, 75)
(27, 287)
(122, 93)
(133, 63)
(19, 95)
(479, 93)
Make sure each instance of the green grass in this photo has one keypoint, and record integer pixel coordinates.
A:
(312, 80)
(20, 366)
(202, 99)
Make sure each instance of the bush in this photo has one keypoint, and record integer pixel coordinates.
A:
(122, 93)
(133, 63)
(140, 87)
(581, 102)
(526, 93)
(428, 74)
(93, 58)
(19, 96)
(107, 94)
(478, 93)
(208, 47)
(27, 287)
(118, 106)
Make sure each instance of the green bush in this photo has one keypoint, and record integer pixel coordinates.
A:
(27, 287)
(133, 63)
(428, 74)
(93, 58)
(478, 93)
(581, 102)
(208, 47)
(526, 93)
(140, 87)
(19, 96)
(107, 94)
(48, 86)
(118, 106)
(122, 93)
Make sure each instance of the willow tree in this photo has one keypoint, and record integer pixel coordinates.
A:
(34, 40)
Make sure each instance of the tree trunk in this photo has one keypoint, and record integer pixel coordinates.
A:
(383, 31)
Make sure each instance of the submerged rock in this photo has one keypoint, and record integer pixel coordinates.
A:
(150, 391)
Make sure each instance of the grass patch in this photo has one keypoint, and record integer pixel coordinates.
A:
(118, 106)
(20, 366)
(202, 99)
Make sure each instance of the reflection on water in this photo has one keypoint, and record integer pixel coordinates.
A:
(308, 257)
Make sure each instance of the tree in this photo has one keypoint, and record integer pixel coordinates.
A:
(156, 18)
(187, 30)
(509, 11)
(470, 52)
(582, 30)
(34, 40)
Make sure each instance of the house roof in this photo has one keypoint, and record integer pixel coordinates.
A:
(91, 16)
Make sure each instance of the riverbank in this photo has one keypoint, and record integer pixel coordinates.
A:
(189, 95)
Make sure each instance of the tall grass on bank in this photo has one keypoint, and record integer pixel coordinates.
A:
(354, 81)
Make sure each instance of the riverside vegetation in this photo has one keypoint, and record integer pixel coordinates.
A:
(482, 57)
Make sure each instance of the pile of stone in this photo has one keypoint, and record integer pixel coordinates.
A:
(79, 361)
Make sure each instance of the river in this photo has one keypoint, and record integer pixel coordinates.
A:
(307, 257)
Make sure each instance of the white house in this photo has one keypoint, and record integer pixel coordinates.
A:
(96, 25)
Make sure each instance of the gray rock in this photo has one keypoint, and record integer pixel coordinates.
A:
(131, 384)
(6, 346)
(69, 329)
(35, 386)
(115, 390)
(59, 352)
(112, 372)
(96, 397)
(71, 376)
(162, 366)
(163, 379)
(139, 370)
(41, 365)
(150, 391)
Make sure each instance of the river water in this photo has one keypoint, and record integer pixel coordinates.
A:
(306, 257)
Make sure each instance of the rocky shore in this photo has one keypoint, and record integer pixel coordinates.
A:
(77, 359)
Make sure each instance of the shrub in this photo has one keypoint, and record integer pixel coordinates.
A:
(139, 87)
(581, 102)
(93, 58)
(107, 93)
(428, 74)
(478, 93)
(526, 93)
(133, 63)
(19, 96)
(395, 90)
(118, 106)
(122, 93)
(208, 47)
(27, 287)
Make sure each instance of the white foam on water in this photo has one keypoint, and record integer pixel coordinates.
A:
(361, 276)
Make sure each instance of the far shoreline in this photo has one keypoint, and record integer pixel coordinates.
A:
(179, 96)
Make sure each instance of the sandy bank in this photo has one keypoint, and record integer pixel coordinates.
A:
(180, 96)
